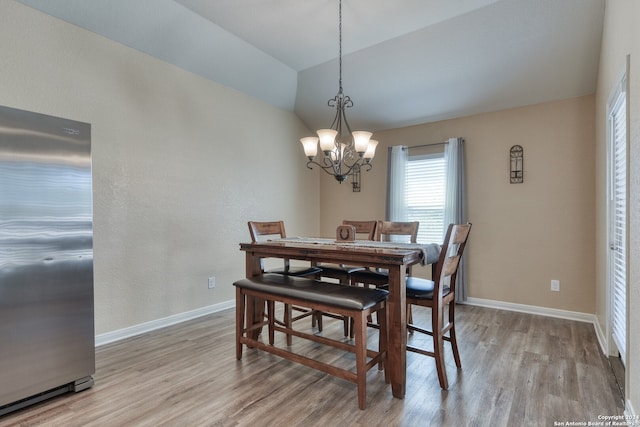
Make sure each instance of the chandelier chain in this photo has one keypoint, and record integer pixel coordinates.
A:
(340, 45)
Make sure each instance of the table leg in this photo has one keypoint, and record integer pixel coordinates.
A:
(255, 306)
(397, 330)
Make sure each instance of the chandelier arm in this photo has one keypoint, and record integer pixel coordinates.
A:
(329, 163)
(331, 170)
(336, 119)
(357, 163)
(348, 103)
(338, 172)
(356, 159)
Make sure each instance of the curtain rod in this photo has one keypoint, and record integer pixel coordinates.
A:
(427, 145)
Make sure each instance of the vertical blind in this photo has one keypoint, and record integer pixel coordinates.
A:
(618, 220)
(425, 195)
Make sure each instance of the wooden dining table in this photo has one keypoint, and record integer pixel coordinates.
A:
(394, 257)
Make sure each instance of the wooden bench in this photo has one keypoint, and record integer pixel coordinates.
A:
(348, 301)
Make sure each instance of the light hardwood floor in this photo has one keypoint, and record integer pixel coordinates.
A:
(517, 370)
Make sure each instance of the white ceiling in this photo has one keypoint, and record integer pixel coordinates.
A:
(404, 61)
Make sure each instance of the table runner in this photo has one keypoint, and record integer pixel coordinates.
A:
(430, 251)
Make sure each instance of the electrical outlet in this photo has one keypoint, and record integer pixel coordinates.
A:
(212, 282)
(555, 285)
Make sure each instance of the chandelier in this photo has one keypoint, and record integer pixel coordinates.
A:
(342, 155)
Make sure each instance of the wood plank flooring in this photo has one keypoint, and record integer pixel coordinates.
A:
(517, 369)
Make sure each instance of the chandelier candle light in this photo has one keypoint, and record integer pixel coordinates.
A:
(341, 156)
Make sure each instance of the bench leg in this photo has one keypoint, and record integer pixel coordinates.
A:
(316, 320)
(360, 332)
(347, 323)
(288, 315)
(240, 308)
(271, 308)
(383, 341)
(318, 315)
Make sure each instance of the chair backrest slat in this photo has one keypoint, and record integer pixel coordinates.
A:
(450, 253)
(395, 228)
(259, 229)
(272, 228)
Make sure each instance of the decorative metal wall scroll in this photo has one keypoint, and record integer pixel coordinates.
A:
(355, 176)
(517, 164)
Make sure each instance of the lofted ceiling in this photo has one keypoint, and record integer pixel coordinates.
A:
(405, 62)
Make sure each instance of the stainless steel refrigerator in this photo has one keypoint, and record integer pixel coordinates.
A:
(47, 344)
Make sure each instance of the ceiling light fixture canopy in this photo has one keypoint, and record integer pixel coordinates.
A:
(342, 155)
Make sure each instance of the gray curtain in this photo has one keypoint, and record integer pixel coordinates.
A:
(455, 210)
(396, 180)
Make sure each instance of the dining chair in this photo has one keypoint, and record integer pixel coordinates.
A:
(384, 231)
(262, 230)
(365, 230)
(438, 294)
(275, 229)
(379, 278)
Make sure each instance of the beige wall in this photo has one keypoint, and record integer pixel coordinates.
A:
(621, 37)
(523, 235)
(179, 163)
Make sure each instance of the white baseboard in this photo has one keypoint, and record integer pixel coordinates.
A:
(600, 335)
(532, 309)
(544, 311)
(131, 331)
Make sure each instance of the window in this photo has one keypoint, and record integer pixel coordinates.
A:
(425, 195)
(618, 216)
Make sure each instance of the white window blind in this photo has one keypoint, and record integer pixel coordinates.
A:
(425, 195)
(618, 219)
